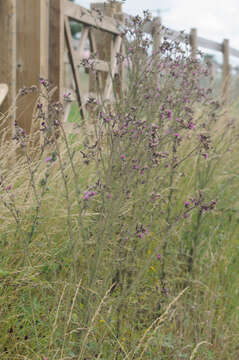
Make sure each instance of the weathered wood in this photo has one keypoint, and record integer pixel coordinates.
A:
(173, 35)
(121, 69)
(226, 70)
(99, 65)
(32, 57)
(75, 69)
(84, 36)
(56, 47)
(105, 43)
(102, 43)
(193, 43)
(209, 44)
(8, 56)
(97, 78)
(84, 16)
(36, 135)
(148, 27)
(156, 34)
(44, 38)
(112, 68)
(3, 92)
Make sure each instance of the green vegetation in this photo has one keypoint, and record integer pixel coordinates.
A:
(120, 241)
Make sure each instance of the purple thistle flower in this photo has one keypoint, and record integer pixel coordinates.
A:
(48, 159)
(89, 194)
(123, 157)
(187, 203)
(164, 290)
(159, 256)
(86, 195)
(9, 187)
(205, 155)
(170, 114)
(43, 81)
(39, 106)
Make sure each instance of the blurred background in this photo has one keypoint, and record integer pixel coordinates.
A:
(214, 19)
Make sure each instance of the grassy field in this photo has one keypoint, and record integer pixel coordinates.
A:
(120, 240)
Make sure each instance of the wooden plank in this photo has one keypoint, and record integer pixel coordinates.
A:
(44, 38)
(209, 44)
(176, 35)
(99, 65)
(93, 44)
(3, 92)
(84, 36)
(112, 68)
(148, 27)
(101, 42)
(32, 56)
(8, 55)
(105, 41)
(122, 70)
(156, 33)
(84, 16)
(226, 70)
(103, 64)
(75, 69)
(193, 43)
(56, 47)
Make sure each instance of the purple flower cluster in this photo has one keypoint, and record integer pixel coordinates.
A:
(140, 231)
(199, 203)
(88, 195)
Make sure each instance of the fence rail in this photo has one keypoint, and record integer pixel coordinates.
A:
(202, 42)
(78, 13)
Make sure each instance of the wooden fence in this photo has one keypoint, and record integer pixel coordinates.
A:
(36, 41)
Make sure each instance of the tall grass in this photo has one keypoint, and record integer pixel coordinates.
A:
(121, 242)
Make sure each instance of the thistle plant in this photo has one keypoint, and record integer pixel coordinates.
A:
(121, 245)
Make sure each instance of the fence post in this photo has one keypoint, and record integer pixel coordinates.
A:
(8, 56)
(226, 70)
(193, 43)
(156, 33)
(32, 54)
(104, 40)
(56, 47)
(156, 29)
